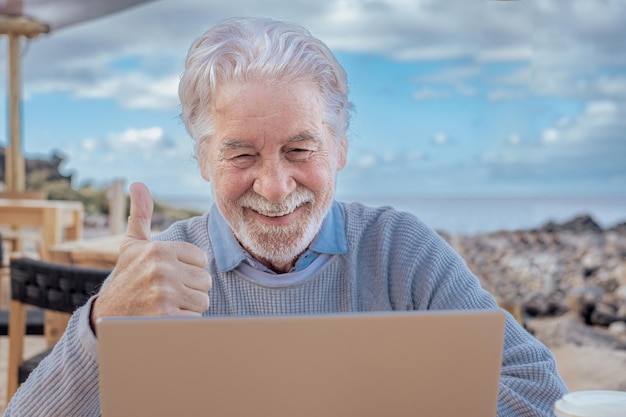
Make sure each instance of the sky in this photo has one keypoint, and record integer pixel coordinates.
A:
(452, 98)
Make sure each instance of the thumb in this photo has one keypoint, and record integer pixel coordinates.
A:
(141, 207)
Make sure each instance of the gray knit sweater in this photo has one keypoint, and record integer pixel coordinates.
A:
(394, 262)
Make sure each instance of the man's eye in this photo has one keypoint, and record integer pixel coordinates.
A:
(299, 154)
(242, 160)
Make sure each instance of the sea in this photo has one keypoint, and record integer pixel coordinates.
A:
(476, 215)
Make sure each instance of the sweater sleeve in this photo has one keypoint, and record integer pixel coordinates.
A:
(66, 382)
(529, 380)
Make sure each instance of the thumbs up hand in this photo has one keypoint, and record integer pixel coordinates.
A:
(153, 278)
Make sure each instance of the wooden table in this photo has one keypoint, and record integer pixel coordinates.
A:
(57, 220)
(101, 252)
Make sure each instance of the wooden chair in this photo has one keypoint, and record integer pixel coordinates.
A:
(55, 287)
(14, 237)
(34, 317)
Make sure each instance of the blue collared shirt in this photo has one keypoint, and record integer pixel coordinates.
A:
(229, 254)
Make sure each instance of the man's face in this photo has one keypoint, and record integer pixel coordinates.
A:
(272, 164)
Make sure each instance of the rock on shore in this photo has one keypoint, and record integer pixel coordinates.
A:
(571, 267)
(569, 280)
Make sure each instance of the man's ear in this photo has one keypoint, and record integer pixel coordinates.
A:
(204, 170)
(203, 161)
(342, 153)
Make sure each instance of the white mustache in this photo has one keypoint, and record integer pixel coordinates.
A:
(253, 201)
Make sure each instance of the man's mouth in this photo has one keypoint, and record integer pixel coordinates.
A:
(259, 205)
(278, 213)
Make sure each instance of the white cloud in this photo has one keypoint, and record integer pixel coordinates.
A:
(564, 42)
(345, 12)
(505, 94)
(521, 76)
(466, 90)
(601, 122)
(452, 75)
(589, 146)
(388, 159)
(429, 94)
(89, 144)
(441, 138)
(458, 77)
(136, 144)
(136, 91)
(603, 109)
(415, 155)
(576, 43)
(512, 53)
(132, 90)
(565, 49)
(365, 161)
(137, 154)
(137, 139)
(612, 86)
(83, 58)
(550, 136)
(515, 139)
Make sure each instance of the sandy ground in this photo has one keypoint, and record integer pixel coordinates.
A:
(591, 368)
(586, 356)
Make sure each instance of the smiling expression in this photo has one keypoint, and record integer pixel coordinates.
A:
(272, 162)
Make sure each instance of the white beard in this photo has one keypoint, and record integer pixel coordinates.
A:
(278, 244)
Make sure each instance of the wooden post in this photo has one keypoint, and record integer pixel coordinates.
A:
(15, 27)
(117, 207)
(14, 161)
(17, 327)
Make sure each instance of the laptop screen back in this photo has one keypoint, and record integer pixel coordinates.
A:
(436, 364)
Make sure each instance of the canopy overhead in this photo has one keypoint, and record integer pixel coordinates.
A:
(29, 18)
(59, 13)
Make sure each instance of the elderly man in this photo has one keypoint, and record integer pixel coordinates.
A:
(267, 106)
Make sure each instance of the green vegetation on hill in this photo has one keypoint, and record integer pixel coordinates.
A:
(43, 174)
(95, 198)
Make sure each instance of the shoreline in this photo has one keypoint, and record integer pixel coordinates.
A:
(468, 215)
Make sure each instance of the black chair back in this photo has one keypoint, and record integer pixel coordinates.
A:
(50, 286)
(54, 286)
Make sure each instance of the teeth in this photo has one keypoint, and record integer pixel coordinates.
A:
(258, 204)
(276, 214)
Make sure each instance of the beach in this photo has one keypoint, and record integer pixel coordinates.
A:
(568, 281)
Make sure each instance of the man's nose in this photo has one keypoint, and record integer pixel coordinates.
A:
(274, 181)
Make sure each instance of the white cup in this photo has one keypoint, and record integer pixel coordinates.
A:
(591, 404)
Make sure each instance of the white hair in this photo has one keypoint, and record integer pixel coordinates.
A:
(244, 49)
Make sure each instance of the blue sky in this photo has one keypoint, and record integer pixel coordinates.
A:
(452, 98)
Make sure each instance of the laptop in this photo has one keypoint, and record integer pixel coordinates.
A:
(436, 364)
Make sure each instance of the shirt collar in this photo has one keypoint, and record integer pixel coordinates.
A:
(331, 238)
